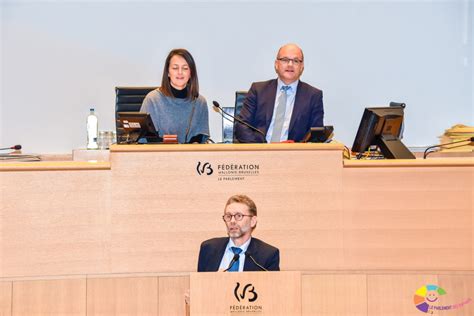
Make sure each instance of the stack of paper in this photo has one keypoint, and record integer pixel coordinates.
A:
(456, 134)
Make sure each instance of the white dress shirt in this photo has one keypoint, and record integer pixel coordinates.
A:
(229, 254)
(290, 103)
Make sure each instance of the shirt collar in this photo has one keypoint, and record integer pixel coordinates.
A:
(292, 85)
(243, 247)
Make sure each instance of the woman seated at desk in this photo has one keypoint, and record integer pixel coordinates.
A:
(177, 108)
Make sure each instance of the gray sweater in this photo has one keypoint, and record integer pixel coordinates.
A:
(172, 115)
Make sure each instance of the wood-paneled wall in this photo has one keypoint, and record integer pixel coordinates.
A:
(152, 209)
(344, 293)
(148, 212)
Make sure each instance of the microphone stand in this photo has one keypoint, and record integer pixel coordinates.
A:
(217, 105)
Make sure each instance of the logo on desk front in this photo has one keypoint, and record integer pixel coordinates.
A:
(246, 297)
(429, 298)
(247, 288)
(228, 171)
(204, 168)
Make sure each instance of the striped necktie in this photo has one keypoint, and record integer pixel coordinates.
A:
(235, 266)
(280, 115)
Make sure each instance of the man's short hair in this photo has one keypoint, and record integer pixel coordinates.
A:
(241, 198)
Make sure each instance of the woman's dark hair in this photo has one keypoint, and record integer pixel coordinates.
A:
(193, 83)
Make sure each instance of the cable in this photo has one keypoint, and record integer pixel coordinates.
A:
(429, 151)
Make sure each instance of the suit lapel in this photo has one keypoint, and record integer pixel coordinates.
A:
(248, 264)
(270, 96)
(218, 254)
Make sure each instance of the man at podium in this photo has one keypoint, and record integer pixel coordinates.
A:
(239, 252)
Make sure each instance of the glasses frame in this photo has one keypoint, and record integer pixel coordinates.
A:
(286, 61)
(234, 216)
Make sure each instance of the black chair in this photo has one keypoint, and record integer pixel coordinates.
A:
(128, 99)
(239, 102)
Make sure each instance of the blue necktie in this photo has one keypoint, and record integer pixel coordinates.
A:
(235, 266)
(280, 115)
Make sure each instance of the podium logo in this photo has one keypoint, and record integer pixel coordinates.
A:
(204, 168)
(249, 288)
(428, 299)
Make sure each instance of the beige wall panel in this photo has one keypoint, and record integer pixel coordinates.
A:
(186, 208)
(49, 297)
(323, 249)
(5, 298)
(334, 295)
(122, 296)
(151, 211)
(54, 222)
(405, 259)
(459, 294)
(171, 295)
(397, 217)
(407, 178)
(392, 295)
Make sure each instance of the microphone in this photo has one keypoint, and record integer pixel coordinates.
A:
(217, 105)
(403, 105)
(236, 257)
(427, 152)
(16, 147)
(248, 254)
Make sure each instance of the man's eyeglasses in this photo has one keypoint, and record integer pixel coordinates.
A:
(238, 217)
(286, 61)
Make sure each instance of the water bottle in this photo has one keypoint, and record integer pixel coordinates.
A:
(92, 130)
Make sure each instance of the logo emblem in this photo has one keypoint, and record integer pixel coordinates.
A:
(427, 299)
(247, 288)
(204, 169)
(426, 296)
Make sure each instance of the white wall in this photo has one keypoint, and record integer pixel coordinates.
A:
(2, 133)
(61, 57)
(469, 38)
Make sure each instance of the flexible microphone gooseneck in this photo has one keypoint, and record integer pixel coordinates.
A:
(247, 254)
(427, 152)
(217, 105)
(221, 112)
(236, 257)
(16, 147)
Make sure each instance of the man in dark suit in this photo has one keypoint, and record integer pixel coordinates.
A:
(284, 108)
(240, 252)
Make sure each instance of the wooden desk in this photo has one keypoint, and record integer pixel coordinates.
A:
(54, 165)
(330, 293)
(151, 210)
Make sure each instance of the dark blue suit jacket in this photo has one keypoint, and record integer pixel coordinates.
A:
(212, 251)
(257, 111)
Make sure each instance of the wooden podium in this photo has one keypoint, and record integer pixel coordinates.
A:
(245, 293)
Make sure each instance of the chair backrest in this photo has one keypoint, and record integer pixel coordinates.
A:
(239, 102)
(128, 99)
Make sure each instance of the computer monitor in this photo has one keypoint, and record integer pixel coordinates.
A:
(382, 127)
(136, 126)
